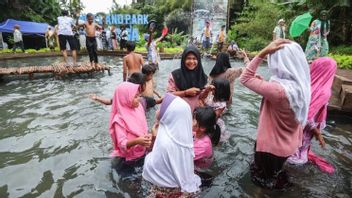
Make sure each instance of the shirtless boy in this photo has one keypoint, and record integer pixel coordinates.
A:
(132, 62)
(91, 42)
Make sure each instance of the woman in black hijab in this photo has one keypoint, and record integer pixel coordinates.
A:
(223, 69)
(188, 80)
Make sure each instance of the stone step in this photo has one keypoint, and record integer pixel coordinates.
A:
(346, 97)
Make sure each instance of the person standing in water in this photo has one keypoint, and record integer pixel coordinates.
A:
(91, 42)
(283, 112)
(65, 33)
(132, 62)
(279, 31)
(206, 36)
(221, 38)
(317, 45)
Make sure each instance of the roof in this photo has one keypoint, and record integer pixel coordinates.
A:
(26, 27)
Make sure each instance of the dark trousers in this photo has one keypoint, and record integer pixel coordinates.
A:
(220, 46)
(267, 171)
(18, 45)
(123, 44)
(91, 44)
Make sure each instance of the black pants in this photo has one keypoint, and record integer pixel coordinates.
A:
(91, 44)
(123, 44)
(267, 171)
(18, 44)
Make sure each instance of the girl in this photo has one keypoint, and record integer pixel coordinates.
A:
(169, 167)
(206, 135)
(216, 96)
(322, 73)
(128, 124)
(223, 69)
(188, 80)
(283, 111)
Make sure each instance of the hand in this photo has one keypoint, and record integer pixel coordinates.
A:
(93, 96)
(159, 101)
(273, 47)
(321, 140)
(145, 140)
(192, 91)
(210, 87)
(155, 129)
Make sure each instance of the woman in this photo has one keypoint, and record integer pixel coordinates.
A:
(188, 80)
(317, 45)
(223, 69)
(322, 73)
(283, 111)
(170, 167)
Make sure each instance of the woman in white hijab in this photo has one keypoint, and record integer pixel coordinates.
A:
(283, 111)
(170, 167)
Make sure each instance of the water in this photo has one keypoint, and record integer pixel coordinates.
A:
(54, 141)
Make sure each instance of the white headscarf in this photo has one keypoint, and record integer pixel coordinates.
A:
(170, 164)
(290, 68)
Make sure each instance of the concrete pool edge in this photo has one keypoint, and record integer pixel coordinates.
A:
(11, 56)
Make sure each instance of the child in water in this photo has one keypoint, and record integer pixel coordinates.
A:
(206, 135)
(216, 95)
(128, 124)
(136, 78)
(149, 71)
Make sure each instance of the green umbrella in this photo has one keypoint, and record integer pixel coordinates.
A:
(300, 24)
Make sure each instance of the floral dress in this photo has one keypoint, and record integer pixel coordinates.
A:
(317, 45)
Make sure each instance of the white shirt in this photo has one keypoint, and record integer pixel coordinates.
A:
(65, 25)
(17, 36)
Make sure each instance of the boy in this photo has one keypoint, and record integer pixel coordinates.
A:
(221, 38)
(132, 62)
(149, 71)
(17, 38)
(206, 36)
(91, 42)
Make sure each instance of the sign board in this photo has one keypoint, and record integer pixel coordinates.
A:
(123, 19)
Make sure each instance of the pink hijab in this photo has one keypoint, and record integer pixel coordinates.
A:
(123, 114)
(322, 72)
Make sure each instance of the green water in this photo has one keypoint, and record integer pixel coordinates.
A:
(54, 141)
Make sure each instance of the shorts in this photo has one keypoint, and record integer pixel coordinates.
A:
(206, 43)
(67, 38)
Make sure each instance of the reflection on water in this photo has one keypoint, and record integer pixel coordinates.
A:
(54, 141)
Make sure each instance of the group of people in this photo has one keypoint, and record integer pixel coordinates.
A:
(317, 45)
(188, 123)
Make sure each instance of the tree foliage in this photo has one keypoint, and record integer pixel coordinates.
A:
(32, 10)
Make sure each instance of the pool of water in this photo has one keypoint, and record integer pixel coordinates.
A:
(54, 141)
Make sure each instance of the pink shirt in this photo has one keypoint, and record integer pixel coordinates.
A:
(202, 148)
(279, 133)
(192, 101)
(121, 150)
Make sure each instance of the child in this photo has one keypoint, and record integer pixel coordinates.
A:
(216, 96)
(128, 124)
(153, 56)
(91, 42)
(206, 135)
(149, 71)
(17, 38)
(169, 167)
(132, 62)
(136, 78)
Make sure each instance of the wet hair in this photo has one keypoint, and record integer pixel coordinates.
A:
(206, 118)
(64, 13)
(89, 15)
(222, 91)
(148, 69)
(137, 78)
(130, 45)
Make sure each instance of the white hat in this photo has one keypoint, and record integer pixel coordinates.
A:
(281, 20)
